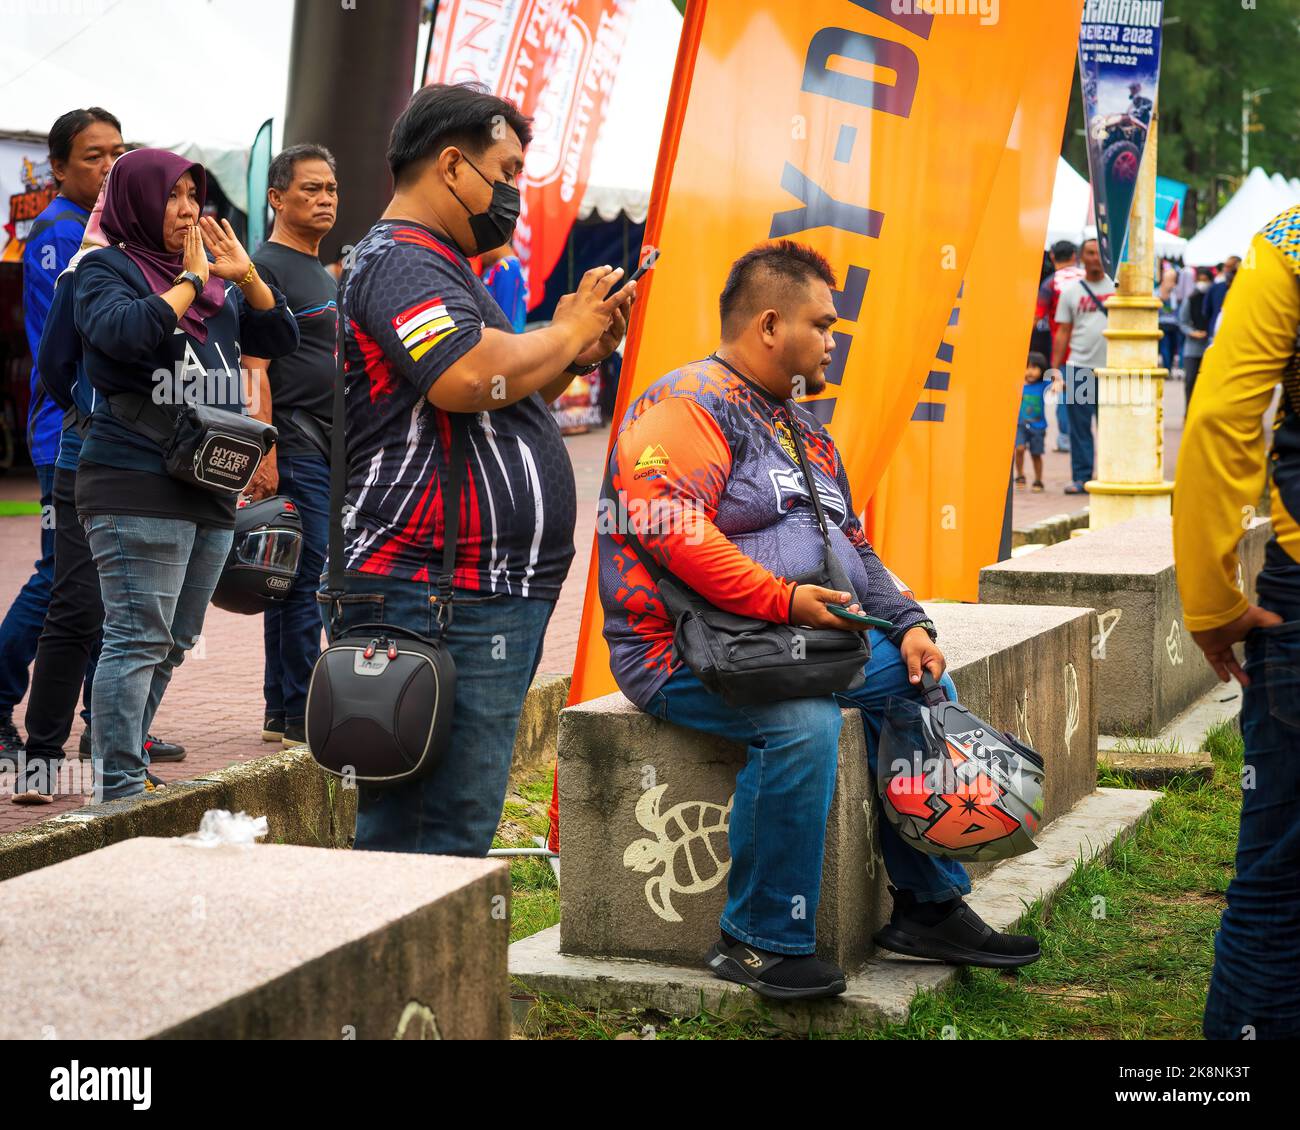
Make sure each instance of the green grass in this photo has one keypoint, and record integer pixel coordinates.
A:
(1127, 946)
(11, 509)
(534, 897)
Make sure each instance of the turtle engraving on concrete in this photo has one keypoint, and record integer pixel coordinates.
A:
(687, 837)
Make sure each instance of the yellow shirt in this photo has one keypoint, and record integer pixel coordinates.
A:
(1221, 464)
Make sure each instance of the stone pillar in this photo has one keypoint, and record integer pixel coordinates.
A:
(1130, 479)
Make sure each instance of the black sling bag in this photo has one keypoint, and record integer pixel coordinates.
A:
(381, 696)
(748, 661)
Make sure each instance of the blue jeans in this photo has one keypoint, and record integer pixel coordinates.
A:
(157, 576)
(1081, 392)
(783, 798)
(1062, 425)
(22, 625)
(292, 629)
(1256, 979)
(496, 641)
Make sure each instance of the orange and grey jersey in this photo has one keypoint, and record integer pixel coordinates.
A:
(705, 472)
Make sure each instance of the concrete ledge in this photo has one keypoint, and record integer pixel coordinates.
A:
(884, 989)
(1148, 668)
(300, 803)
(1050, 530)
(539, 722)
(160, 939)
(1155, 770)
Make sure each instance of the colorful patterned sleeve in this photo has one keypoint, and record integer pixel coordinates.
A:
(672, 464)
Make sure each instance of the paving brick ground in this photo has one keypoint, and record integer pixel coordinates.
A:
(214, 705)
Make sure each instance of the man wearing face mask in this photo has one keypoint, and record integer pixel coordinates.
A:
(428, 350)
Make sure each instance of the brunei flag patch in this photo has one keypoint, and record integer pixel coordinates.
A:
(421, 327)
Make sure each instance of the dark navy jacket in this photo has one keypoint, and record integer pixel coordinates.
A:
(131, 343)
(62, 375)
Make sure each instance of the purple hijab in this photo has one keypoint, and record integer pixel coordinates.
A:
(134, 206)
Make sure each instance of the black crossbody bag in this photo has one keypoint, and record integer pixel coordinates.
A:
(748, 661)
(381, 696)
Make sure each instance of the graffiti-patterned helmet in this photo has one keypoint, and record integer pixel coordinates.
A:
(952, 785)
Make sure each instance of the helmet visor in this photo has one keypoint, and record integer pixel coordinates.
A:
(278, 550)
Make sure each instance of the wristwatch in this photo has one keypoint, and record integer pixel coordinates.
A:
(581, 370)
(191, 278)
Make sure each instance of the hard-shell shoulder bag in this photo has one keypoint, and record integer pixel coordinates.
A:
(381, 696)
(748, 661)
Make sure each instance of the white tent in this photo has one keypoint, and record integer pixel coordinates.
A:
(1284, 188)
(198, 79)
(1256, 202)
(623, 162)
(1071, 215)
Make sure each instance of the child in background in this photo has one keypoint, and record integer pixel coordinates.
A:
(1031, 428)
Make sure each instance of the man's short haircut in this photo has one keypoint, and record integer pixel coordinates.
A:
(66, 127)
(1063, 249)
(464, 114)
(769, 276)
(280, 174)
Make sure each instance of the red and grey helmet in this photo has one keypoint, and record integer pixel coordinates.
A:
(954, 786)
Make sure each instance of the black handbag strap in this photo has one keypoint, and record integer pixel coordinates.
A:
(1099, 303)
(336, 579)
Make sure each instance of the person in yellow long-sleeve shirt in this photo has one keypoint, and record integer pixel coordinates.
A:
(1255, 986)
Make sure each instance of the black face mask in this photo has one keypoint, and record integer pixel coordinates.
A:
(494, 227)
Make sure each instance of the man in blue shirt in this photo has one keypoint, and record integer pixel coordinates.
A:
(83, 145)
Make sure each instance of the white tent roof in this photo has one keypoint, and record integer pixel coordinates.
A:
(198, 79)
(1256, 202)
(1071, 215)
(623, 162)
(1285, 188)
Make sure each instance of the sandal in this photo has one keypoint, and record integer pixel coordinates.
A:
(1020, 480)
(1037, 488)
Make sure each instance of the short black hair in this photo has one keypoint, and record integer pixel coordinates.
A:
(1205, 273)
(768, 270)
(1036, 360)
(66, 127)
(280, 174)
(464, 114)
(1063, 249)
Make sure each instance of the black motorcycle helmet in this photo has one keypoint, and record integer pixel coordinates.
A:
(263, 560)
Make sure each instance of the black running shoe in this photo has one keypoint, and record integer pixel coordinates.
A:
(959, 937)
(273, 728)
(153, 783)
(295, 734)
(159, 750)
(11, 742)
(780, 976)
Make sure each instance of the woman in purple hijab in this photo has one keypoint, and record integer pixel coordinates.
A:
(163, 312)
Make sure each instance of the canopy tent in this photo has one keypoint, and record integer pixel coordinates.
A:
(199, 81)
(1071, 214)
(1256, 202)
(1285, 189)
(623, 161)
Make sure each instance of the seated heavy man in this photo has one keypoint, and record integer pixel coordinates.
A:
(707, 448)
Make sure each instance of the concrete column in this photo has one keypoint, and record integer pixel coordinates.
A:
(1130, 479)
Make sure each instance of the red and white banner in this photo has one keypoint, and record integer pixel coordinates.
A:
(556, 59)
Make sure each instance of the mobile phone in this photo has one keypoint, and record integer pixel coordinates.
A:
(641, 270)
(860, 617)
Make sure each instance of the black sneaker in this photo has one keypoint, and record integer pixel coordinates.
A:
(159, 750)
(153, 783)
(295, 734)
(954, 933)
(273, 728)
(780, 976)
(11, 742)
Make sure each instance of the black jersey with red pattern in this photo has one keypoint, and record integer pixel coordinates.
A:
(706, 472)
(413, 307)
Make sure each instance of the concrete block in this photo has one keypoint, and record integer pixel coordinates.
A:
(880, 992)
(644, 805)
(539, 721)
(158, 938)
(1048, 531)
(1148, 668)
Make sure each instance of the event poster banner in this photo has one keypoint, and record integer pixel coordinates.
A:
(868, 129)
(26, 189)
(557, 62)
(1119, 72)
(936, 517)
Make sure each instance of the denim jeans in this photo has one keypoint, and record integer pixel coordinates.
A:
(292, 629)
(783, 798)
(157, 576)
(1081, 391)
(1255, 986)
(496, 642)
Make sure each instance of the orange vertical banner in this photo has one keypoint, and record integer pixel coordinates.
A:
(936, 517)
(868, 129)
